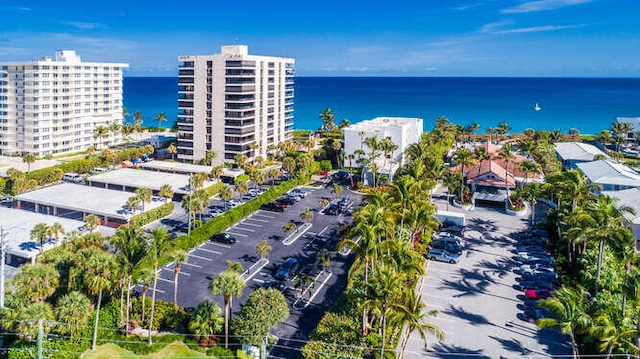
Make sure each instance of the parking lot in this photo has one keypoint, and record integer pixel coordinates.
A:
(209, 259)
(479, 300)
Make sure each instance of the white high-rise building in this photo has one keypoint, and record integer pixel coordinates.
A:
(233, 103)
(50, 106)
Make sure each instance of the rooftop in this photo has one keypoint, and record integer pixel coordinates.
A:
(17, 225)
(609, 172)
(87, 199)
(577, 151)
(381, 122)
(169, 166)
(628, 197)
(150, 179)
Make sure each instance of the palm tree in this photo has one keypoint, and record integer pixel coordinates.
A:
(127, 130)
(144, 194)
(345, 123)
(160, 118)
(490, 131)
(306, 215)
(28, 158)
(36, 282)
(172, 149)
(569, 307)
(91, 222)
(257, 177)
(73, 310)
(328, 119)
(178, 257)
(39, 233)
(388, 148)
(336, 145)
(155, 246)
(114, 128)
(198, 179)
(528, 167)
(337, 190)
(133, 202)
(289, 227)
(414, 318)
(100, 132)
(452, 181)
(323, 259)
(130, 245)
(263, 249)
(144, 279)
(55, 230)
(99, 276)
(240, 160)
(507, 155)
(166, 192)
(273, 174)
(227, 284)
(226, 193)
(137, 121)
(322, 202)
(464, 158)
(216, 172)
(289, 164)
(206, 321)
(209, 157)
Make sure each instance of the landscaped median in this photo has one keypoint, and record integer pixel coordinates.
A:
(152, 215)
(226, 220)
(297, 234)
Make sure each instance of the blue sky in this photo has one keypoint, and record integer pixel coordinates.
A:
(340, 38)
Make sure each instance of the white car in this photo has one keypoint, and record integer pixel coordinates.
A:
(442, 256)
(448, 238)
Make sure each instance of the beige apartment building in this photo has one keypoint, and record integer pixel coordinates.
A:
(52, 106)
(233, 103)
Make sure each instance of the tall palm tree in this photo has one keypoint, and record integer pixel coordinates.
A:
(36, 282)
(263, 249)
(336, 145)
(216, 172)
(198, 180)
(328, 119)
(178, 257)
(114, 128)
(160, 118)
(227, 284)
(127, 130)
(73, 311)
(614, 332)
(507, 156)
(145, 278)
(226, 193)
(137, 121)
(464, 158)
(99, 276)
(414, 318)
(133, 202)
(144, 194)
(28, 158)
(130, 245)
(100, 132)
(388, 148)
(55, 230)
(306, 215)
(92, 222)
(39, 233)
(155, 246)
(240, 159)
(528, 168)
(172, 149)
(257, 177)
(569, 307)
(166, 192)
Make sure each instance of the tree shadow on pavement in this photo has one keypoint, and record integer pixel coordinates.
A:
(499, 267)
(473, 319)
(453, 351)
(466, 288)
(481, 225)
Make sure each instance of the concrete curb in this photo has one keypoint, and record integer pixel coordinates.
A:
(254, 269)
(301, 302)
(297, 234)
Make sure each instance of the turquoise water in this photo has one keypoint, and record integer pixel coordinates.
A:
(588, 104)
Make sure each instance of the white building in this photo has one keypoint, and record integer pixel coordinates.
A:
(635, 126)
(231, 100)
(572, 153)
(403, 132)
(630, 198)
(611, 176)
(52, 106)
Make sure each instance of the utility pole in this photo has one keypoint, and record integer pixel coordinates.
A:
(3, 246)
(263, 349)
(40, 335)
(189, 205)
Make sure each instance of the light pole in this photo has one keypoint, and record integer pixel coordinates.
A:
(3, 246)
(189, 206)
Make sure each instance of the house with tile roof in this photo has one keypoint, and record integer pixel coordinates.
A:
(572, 153)
(611, 176)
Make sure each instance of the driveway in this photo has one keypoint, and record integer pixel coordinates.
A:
(478, 301)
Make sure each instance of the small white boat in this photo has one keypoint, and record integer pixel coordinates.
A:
(537, 107)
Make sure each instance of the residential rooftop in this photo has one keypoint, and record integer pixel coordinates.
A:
(17, 225)
(380, 122)
(577, 151)
(179, 167)
(609, 172)
(628, 197)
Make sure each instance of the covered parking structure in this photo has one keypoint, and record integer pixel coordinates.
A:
(129, 179)
(77, 201)
(175, 167)
(17, 225)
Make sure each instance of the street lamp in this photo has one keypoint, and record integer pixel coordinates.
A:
(3, 246)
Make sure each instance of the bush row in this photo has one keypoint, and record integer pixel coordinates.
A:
(152, 215)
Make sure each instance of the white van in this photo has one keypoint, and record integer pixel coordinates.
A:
(73, 177)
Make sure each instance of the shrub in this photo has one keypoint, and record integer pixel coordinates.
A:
(325, 165)
(220, 352)
(166, 315)
(47, 175)
(263, 309)
(152, 215)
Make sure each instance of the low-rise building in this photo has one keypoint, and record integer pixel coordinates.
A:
(629, 198)
(571, 153)
(635, 127)
(611, 176)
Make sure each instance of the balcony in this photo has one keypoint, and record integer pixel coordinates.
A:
(240, 89)
(239, 123)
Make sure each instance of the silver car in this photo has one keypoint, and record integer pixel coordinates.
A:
(442, 256)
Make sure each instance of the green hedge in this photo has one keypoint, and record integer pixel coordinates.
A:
(80, 166)
(152, 215)
(226, 220)
(47, 175)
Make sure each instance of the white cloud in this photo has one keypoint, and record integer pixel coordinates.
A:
(492, 27)
(364, 50)
(15, 8)
(93, 43)
(465, 7)
(541, 5)
(84, 25)
(498, 27)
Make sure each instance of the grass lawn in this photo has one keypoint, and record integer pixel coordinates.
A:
(112, 351)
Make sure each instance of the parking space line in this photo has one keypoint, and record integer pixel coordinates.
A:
(237, 234)
(262, 215)
(251, 224)
(244, 229)
(208, 250)
(258, 280)
(199, 257)
(165, 280)
(257, 220)
(217, 244)
(323, 229)
(191, 265)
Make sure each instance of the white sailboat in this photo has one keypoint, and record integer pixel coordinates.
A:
(537, 107)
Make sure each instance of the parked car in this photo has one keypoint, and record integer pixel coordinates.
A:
(287, 269)
(536, 313)
(136, 161)
(442, 256)
(541, 233)
(540, 274)
(447, 237)
(333, 209)
(98, 170)
(539, 260)
(183, 227)
(453, 229)
(298, 192)
(527, 256)
(447, 246)
(223, 238)
(288, 200)
(537, 294)
(273, 207)
(343, 202)
(536, 266)
(72, 177)
(342, 175)
(146, 158)
(233, 203)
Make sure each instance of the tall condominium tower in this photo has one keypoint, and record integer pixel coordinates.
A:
(233, 103)
(51, 106)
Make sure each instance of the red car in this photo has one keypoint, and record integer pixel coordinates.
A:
(537, 294)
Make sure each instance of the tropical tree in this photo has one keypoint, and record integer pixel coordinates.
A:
(615, 332)
(464, 158)
(206, 322)
(28, 158)
(507, 155)
(137, 121)
(145, 278)
(36, 282)
(242, 187)
(415, 318)
(216, 172)
(160, 118)
(166, 192)
(144, 194)
(328, 119)
(178, 257)
(39, 233)
(289, 228)
(289, 164)
(173, 150)
(322, 202)
(100, 132)
(323, 259)
(209, 157)
(227, 284)
(114, 128)
(91, 222)
(263, 309)
(73, 311)
(55, 230)
(198, 179)
(273, 174)
(337, 190)
(528, 167)
(344, 123)
(257, 177)
(240, 160)
(263, 249)
(306, 215)
(155, 246)
(127, 130)
(569, 307)
(100, 273)
(133, 202)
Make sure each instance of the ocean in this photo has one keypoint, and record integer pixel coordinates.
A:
(588, 104)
